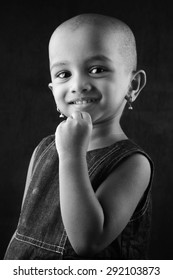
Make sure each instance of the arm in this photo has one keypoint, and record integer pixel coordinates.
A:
(81, 211)
(94, 220)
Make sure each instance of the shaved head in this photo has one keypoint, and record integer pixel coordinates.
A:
(107, 25)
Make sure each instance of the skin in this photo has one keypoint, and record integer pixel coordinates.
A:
(79, 75)
(93, 220)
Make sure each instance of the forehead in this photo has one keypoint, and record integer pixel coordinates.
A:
(86, 40)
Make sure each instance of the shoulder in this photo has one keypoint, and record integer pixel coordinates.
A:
(44, 144)
(136, 169)
(38, 151)
(46, 141)
(133, 173)
(138, 162)
(126, 155)
(136, 157)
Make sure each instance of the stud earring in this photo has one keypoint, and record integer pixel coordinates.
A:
(129, 101)
(61, 115)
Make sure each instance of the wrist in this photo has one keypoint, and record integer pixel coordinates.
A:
(71, 156)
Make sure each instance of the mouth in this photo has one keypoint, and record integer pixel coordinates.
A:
(81, 101)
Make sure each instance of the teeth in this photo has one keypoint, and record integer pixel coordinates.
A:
(79, 102)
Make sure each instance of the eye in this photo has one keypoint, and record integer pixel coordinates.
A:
(97, 70)
(63, 75)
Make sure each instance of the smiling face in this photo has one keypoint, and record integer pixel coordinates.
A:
(88, 71)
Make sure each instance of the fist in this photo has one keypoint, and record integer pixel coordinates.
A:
(72, 136)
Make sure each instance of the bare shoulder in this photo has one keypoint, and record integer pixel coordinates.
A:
(138, 168)
(138, 162)
(135, 171)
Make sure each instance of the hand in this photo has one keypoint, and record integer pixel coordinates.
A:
(72, 136)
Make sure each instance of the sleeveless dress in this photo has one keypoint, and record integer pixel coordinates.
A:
(40, 233)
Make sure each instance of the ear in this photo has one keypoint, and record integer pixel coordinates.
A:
(50, 86)
(138, 82)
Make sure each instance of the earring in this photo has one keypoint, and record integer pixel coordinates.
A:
(61, 115)
(129, 101)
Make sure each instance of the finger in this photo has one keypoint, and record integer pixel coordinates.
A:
(60, 126)
(76, 115)
(61, 123)
(86, 116)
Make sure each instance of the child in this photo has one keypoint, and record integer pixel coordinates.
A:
(88, 186)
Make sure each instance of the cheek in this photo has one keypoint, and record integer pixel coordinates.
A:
(114, 94)
(121, 88)
(58, 92)
(105, 87)
(55, 96)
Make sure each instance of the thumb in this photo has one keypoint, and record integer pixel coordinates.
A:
(86, 116)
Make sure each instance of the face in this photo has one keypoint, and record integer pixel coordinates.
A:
(88, 73)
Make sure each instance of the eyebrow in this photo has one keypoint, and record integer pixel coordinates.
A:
(61, 63)
(95, 57)
(99, 57)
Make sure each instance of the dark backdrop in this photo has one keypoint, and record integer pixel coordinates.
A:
(28, 112)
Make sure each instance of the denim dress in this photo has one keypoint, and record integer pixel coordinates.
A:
(40, 232)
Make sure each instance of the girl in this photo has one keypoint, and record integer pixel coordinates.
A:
(88, 189)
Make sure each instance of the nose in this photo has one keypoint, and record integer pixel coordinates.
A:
(80, 84)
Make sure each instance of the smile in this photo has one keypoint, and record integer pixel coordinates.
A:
(83, 101)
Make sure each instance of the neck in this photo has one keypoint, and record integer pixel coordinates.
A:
(106, 133)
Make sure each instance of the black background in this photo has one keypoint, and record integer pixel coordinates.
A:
(28, 112)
